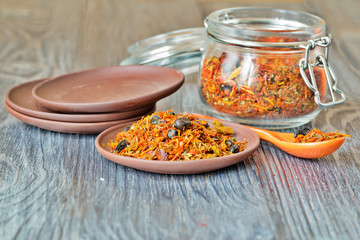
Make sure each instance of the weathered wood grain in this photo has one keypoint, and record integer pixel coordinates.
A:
(56, 186)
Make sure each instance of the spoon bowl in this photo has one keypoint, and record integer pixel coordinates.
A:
(285, 141)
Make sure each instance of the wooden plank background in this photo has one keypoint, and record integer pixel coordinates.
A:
(56, 185)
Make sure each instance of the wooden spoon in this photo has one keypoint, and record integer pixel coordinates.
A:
(285, 141)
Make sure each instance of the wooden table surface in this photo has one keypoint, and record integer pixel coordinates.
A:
(57, 186)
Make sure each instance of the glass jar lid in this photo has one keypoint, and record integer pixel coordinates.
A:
(261, 27)
(180, 49)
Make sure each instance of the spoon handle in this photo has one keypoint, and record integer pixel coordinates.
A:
(272, 136)
(263, 134)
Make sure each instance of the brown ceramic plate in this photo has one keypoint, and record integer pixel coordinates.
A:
(20, 99)
(69, 127)
(180, 167)
(108, 89)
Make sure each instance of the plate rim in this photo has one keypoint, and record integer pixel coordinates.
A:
(113, 105)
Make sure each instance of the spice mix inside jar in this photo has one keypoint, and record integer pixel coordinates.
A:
(267, 67)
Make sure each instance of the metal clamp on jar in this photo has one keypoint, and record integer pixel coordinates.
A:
(267, 67)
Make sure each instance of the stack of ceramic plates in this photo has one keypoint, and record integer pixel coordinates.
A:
(93, 100)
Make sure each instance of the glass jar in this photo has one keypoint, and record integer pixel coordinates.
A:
(267, 67)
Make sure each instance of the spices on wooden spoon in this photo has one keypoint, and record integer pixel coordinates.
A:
(315, 149)
(315, 135)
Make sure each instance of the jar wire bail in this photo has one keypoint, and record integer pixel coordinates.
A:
(320, 61)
